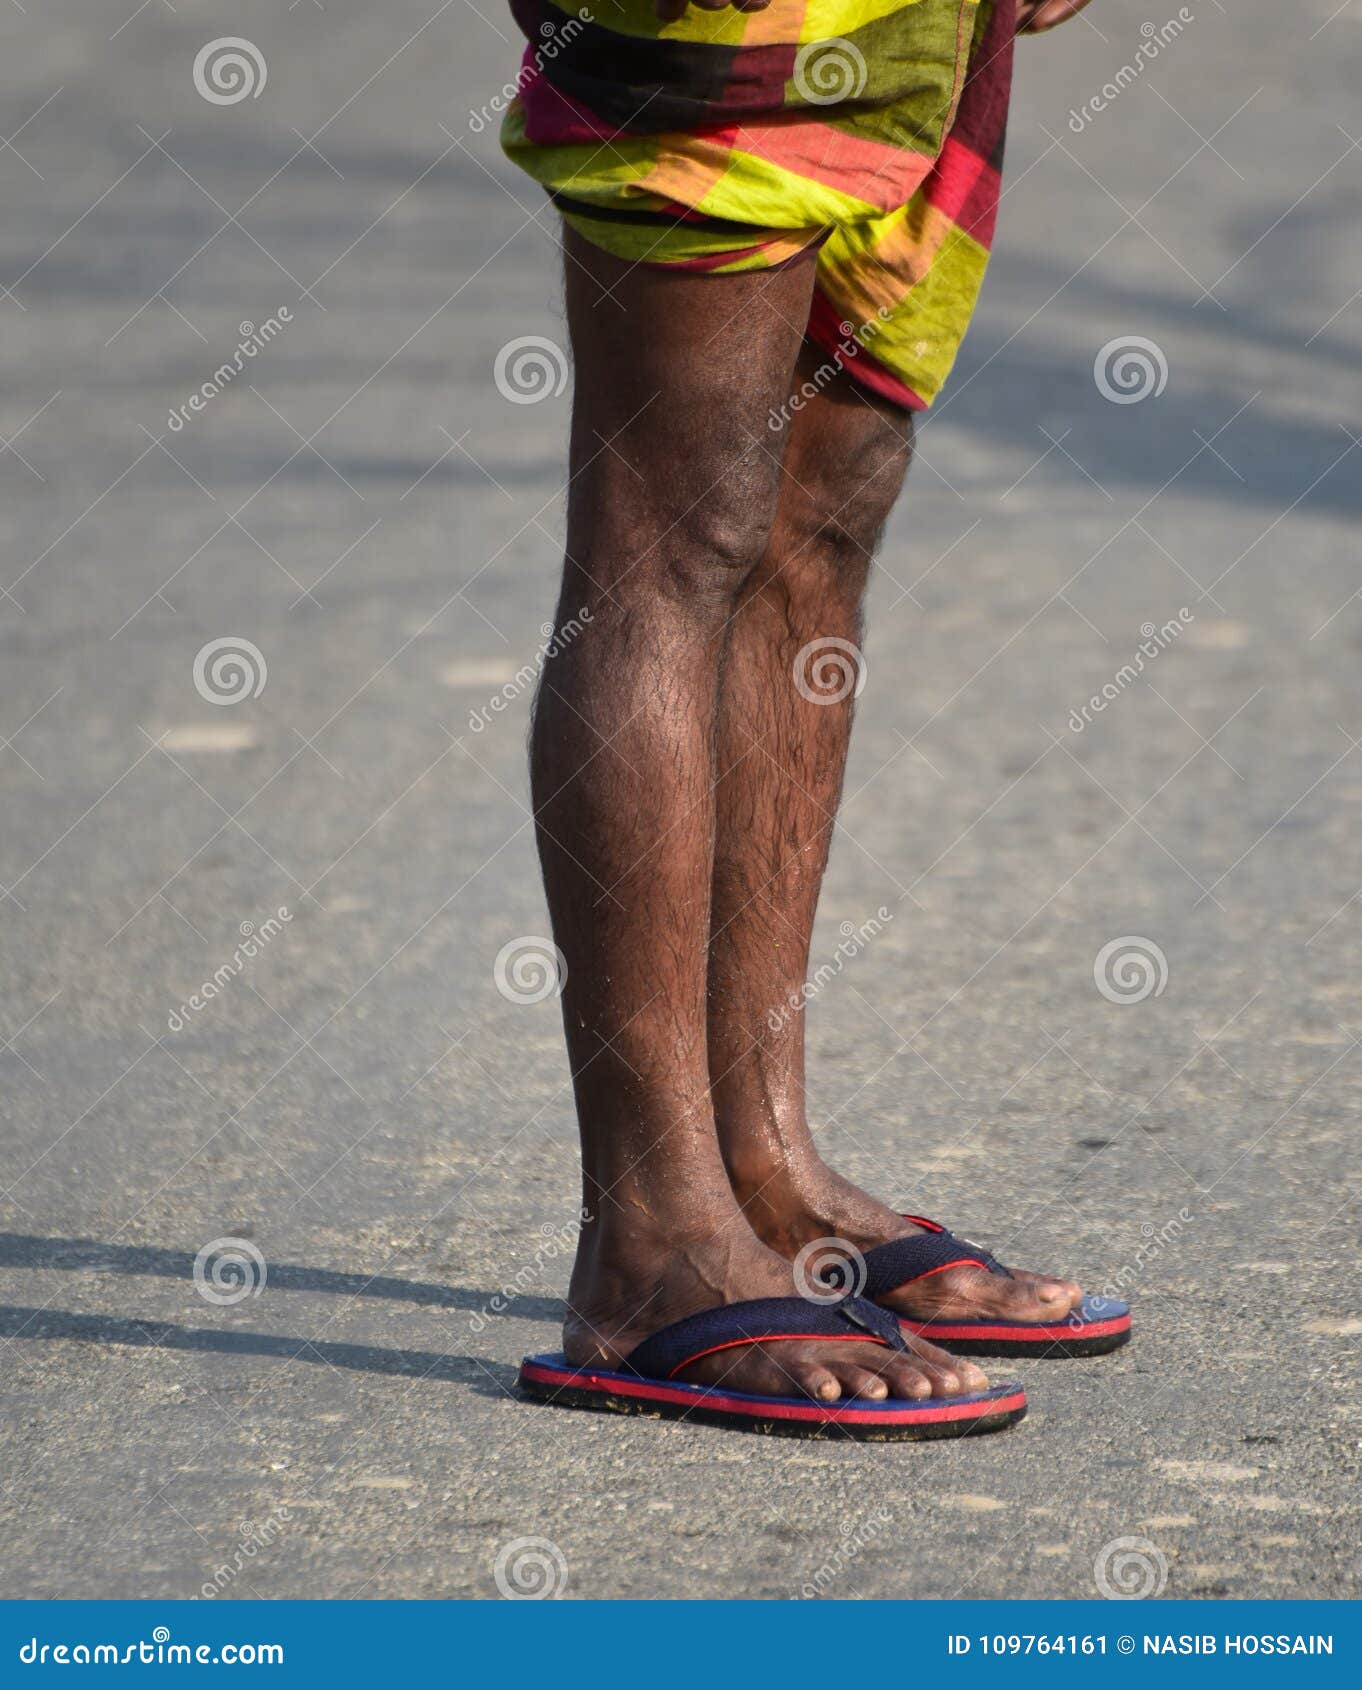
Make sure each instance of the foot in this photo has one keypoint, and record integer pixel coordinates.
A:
(625, 1288)
(787, 1212)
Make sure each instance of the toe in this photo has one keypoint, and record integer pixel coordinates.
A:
(906, 1381)
(970, 1293)
(1055, 1296)
(921, 1349)
(860, 1382)
(945, 1380)
(972, 1378)
(812, 1380)
(971, 1375)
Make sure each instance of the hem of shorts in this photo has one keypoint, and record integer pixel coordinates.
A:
(856, 359)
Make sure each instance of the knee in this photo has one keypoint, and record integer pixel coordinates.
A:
(834, 526)
(710, 552)
(842, 500)
(842, 537)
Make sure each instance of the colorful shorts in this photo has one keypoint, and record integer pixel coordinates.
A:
(726, 141)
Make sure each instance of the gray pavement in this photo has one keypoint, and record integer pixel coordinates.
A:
(391, 1134)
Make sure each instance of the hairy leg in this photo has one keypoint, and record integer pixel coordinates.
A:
(675, 477)
(782, 748)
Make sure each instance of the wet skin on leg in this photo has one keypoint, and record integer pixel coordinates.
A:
(781, 762)
(675, 480)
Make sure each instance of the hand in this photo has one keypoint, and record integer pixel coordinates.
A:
(1034, 17)
(670, 10)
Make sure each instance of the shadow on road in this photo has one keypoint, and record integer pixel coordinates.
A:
(487, 1377)
(19, 1249)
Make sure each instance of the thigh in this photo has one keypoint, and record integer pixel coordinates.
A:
(679, 418)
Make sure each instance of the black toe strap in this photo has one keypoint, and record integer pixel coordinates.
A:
(902, 1260)
(764, 1320)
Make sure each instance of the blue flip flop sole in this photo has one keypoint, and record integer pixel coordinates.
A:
(551, 1378)
(1096, 1327)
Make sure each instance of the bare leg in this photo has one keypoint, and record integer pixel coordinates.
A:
(782, 760)
(675, 477)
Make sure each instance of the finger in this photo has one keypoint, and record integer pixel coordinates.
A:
(669, 10)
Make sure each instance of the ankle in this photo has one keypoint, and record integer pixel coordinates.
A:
(780, 1200)
(791, 1205)
(633, 1276)
(631, 1234)
(769, 1154)
(647, 1203)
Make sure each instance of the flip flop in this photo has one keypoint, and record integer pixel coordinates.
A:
(647, 1382)
(1096, 1326)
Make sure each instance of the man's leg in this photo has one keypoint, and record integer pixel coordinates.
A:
(675, 477)
(781, 760)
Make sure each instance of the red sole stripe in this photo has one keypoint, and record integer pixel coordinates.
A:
(775, 1408)
(1017, 1334)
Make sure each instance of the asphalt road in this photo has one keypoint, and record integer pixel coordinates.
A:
(356, 1100)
